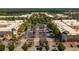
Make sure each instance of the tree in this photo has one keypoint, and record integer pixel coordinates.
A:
(23, 27)
(13, 39)
(11, 46)
(54, 30)
(25, 46)
(13, 29)
(44, 43)
(46, 47)
(2, 47)
(61, 47)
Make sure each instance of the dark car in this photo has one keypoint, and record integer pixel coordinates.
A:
(54, 49)
(39, 48)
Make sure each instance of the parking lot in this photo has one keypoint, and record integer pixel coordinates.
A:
(39, 31)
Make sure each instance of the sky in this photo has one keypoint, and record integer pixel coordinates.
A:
(39, 3)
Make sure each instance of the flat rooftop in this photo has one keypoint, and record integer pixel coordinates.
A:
(8, 25)
(63, 26)
(61, 15)
(71, 22)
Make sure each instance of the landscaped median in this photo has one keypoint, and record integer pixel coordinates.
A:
(23, 27)
(44, 43)
(29, 43)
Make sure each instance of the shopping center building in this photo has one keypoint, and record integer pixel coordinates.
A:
(9, 27)
(69, 29)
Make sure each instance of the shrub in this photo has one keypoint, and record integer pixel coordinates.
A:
(11, 46)
(46, 47)
(2, 47)
(25, 46)
(61, 47)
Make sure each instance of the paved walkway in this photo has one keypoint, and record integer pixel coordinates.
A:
(18, 48)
